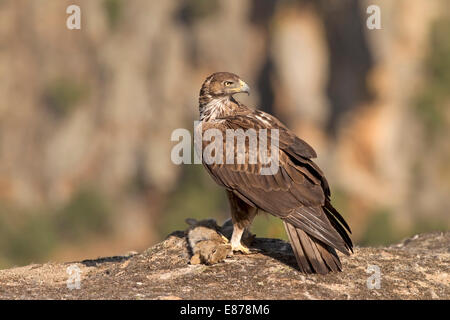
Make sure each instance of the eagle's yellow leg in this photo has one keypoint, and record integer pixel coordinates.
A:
(236, 244)
(242, 217)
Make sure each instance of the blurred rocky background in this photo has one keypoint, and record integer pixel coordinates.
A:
(86, 115)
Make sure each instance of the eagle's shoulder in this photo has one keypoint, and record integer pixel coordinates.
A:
(247, 118)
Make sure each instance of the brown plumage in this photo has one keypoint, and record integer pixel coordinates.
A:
(297, 193)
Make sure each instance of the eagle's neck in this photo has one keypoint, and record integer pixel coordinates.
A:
(212, 108)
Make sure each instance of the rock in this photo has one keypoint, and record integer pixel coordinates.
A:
(418, 268)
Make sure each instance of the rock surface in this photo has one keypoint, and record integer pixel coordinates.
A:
(417, 268)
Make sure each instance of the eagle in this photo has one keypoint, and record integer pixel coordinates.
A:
(297, 192)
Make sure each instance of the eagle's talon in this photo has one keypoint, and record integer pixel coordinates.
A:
(242, 249)
(225, 239)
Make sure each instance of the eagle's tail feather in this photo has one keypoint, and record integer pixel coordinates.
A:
(312, 255)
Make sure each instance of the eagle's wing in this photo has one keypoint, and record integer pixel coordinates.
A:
(292, 145)
(298, 193)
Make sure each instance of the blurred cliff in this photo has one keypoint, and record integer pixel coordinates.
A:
(86, 115)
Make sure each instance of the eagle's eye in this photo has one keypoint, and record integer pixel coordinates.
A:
(228, 83)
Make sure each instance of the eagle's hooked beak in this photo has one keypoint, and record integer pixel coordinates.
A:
(243, 87)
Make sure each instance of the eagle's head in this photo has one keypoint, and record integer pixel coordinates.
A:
(223, 84)
(216, 94)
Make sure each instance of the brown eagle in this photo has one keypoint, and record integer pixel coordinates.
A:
(297, 193)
